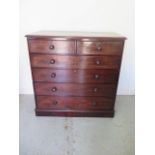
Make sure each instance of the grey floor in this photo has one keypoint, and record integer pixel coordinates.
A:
(77, 136)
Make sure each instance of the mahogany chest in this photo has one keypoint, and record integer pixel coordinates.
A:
(75, 73)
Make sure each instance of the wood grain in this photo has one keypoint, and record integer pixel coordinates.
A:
(71, 62)
(75, 75)
(52, 47)
(100, 48)
(74, 113)
(75, 103)
(68, 89)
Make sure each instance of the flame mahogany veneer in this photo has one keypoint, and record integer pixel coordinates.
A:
(75, 73)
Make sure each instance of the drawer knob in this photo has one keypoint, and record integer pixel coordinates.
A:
(51, 47)
(55, 102)
(54, 89)
(99, 48)
(94, 103)
(96, 76)
(53, 75)
(52, 61)
(98, 62)
(95, 90)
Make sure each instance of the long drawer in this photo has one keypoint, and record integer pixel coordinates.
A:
(82, 62)
(77, 103)
(75, 75)
(68, 89)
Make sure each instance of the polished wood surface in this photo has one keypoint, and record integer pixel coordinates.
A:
(71, 62)
(74, 113)
(75, 75)
(76, 34)
(68, 89)
(52, 47)
(100, 48)
(80, 103)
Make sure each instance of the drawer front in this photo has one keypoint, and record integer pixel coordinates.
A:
(100, 48)
(75, 75)
(52, 47)
(54, 89)
(74, 103)
(83, 62)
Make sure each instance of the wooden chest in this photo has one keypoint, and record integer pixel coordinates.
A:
(75, 73)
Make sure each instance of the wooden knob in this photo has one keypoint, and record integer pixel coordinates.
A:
(98, 62)
(95, 89)
(55, 102)
(52, 61)
(96, 76)
(54, 89)
(99, 48)
(53, 75)
(51, 47)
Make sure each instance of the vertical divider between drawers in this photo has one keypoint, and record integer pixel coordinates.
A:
(75, 47)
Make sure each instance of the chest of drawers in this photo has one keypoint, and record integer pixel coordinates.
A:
(75, 73)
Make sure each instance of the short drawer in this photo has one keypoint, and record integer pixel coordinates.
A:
(69, 62)
(100, 48)
(75, 75)
(68, 89)
(51, 47)
(74, 103)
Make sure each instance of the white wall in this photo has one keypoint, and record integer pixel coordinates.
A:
(78, 15)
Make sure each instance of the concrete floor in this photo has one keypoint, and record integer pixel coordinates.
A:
(77, 136)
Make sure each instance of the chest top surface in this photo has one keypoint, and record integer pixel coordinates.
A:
(76, 34)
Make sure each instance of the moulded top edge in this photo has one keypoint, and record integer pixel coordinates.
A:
(75, 34)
